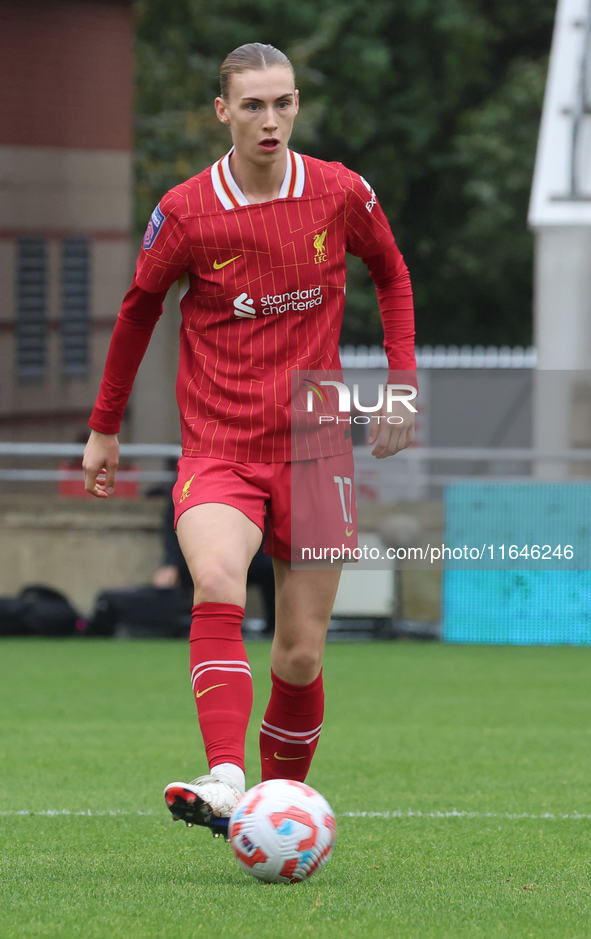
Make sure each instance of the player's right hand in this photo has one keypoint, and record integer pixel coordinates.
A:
(100, 461)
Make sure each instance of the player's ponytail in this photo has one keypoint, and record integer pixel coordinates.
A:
(252, 55)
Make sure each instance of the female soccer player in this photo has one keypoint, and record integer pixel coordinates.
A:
(259, 239)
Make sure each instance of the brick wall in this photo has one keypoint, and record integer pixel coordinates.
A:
(66, 73)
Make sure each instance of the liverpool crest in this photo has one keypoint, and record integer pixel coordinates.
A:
(319, 240)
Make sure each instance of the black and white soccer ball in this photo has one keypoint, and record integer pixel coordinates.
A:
(282, 831)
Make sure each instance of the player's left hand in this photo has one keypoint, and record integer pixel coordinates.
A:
(394, 431)
(167, 577)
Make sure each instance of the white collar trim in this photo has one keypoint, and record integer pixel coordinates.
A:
(231, 196)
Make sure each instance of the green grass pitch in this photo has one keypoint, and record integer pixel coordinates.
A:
(502, 736)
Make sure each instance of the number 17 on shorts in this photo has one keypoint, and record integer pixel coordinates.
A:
(323, 511)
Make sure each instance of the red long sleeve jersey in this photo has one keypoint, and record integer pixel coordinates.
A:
(264, 294)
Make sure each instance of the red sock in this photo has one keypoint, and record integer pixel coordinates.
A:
(291, 728)
(221, 679)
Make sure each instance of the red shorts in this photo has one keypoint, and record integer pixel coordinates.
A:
(308, 506)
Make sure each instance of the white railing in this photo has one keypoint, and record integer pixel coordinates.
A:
(411, 463)
(172, 450)
(65, 450)
(413, 474)
(74, 451)
(445, 357)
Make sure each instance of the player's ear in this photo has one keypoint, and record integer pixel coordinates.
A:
(221, 110)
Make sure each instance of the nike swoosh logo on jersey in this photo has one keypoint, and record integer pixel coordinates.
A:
(199, 694)
(217, 265)
(277, 757)
(349, 533)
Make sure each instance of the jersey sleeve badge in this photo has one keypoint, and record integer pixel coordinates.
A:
(154, 226)
(372, 196)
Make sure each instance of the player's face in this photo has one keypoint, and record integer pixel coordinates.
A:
(260, 109)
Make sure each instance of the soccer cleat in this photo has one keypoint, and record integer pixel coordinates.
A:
(206, 801)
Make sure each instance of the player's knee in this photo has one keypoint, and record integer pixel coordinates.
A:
(303, 663)
(214, 583)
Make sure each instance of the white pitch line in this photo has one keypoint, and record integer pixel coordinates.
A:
(396, 813)
(52, 813)
(454, 813)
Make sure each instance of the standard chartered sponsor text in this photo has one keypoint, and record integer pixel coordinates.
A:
(435, 553)
(299, 300)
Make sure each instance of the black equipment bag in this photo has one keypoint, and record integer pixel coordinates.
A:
(39, 611)
(46, 612)
(143, 613)
(11, 617)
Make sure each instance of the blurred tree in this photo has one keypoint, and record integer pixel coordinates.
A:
(437, 103)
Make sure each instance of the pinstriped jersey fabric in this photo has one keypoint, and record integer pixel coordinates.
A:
(263, 292)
